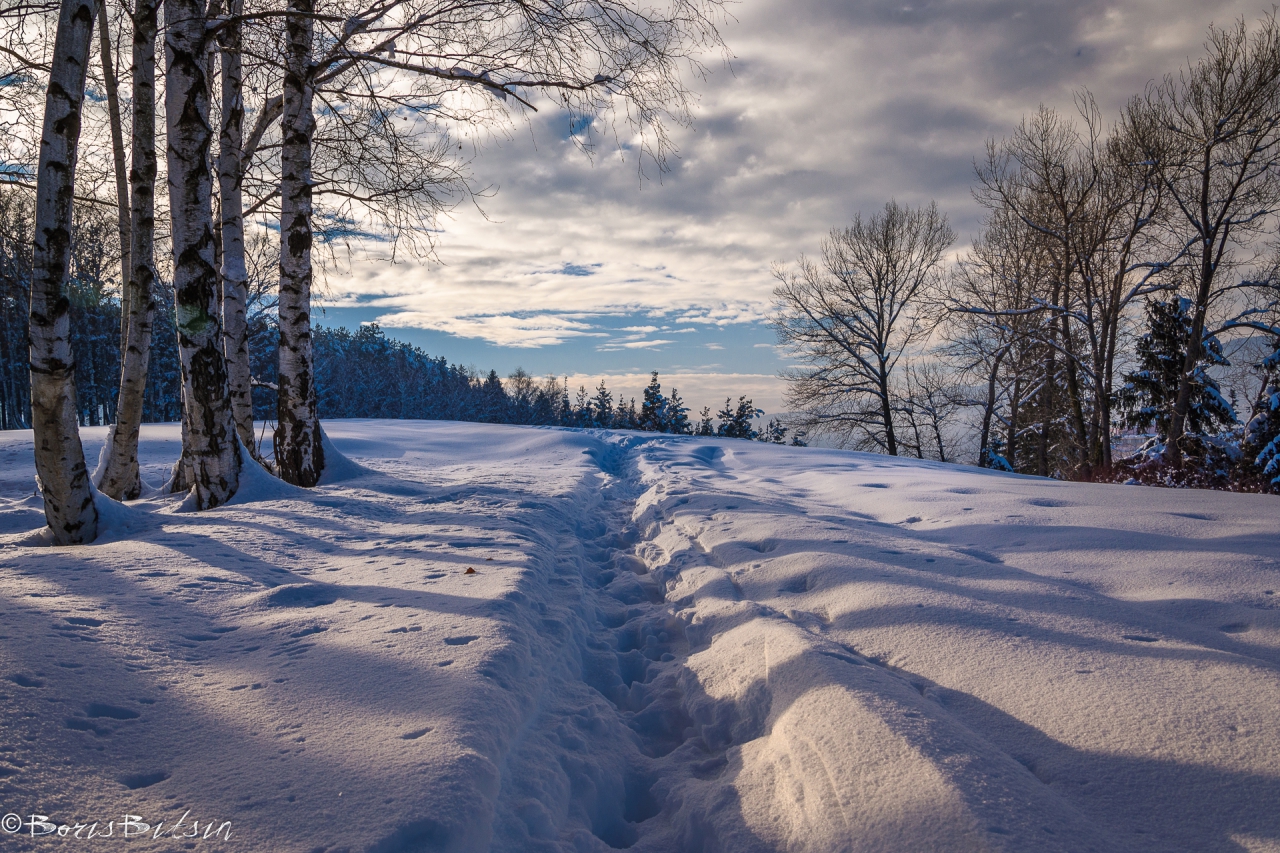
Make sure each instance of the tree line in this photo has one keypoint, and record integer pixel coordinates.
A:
(1121, 270)
(359, 374)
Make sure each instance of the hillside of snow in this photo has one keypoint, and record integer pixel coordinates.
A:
(478, 638)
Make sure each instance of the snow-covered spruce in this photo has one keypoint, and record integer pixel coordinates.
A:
(664, 643)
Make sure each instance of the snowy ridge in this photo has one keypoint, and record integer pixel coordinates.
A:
(666, 644)
(820, 749)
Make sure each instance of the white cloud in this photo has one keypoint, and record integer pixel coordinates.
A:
(831, 108)
(621, 345)
(506, 329)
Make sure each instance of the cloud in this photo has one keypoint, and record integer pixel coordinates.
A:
(506, 329)
(633, 345)
(830, 108)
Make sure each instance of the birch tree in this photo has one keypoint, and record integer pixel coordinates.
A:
(299, 450)
(210, 447)
(234, 270)
(120, 479)
(68, 494)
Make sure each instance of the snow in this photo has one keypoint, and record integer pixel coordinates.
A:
(667, 644)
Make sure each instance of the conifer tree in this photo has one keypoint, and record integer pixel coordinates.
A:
(494, 399)
(774, 432)
(653, 411)
(705, 425)
(602, 414)
(735, 422)
(1262, 435)
(627, 418)
(678, 415)
(1150, 393)
(581, 408)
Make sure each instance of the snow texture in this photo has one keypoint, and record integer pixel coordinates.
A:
(523, 639)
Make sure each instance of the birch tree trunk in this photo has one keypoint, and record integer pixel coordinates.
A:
(117, 155)
(235, 277)
(299, 456)
(68, 495)
(120, 480)
(211, 447)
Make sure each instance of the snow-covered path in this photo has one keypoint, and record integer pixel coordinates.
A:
(666, 644)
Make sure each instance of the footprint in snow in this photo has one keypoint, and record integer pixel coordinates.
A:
(415, 734)
(134, 781)
(300, 595)
(460, 641)
(795, 586)
(98, 710)
(80, 724)
(23, 680)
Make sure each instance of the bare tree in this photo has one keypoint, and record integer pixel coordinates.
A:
(120, 479)
(1214, 132)
(850, 320)
(1049, 177)
(211, 447)
(299, 450)
(928, 405)
(1122, 260)
(118, 163)
(234, 272)
(68, 494)
(1093, 202)
(995, 326)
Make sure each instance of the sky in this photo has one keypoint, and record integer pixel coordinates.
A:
(577, 266)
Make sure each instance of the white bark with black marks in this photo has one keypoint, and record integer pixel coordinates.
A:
(112, 87)
(211, 435)
(235, 276)
(298, 452)
(120, 480)
(59, 456)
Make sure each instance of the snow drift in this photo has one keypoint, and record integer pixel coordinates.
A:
(499, 638)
